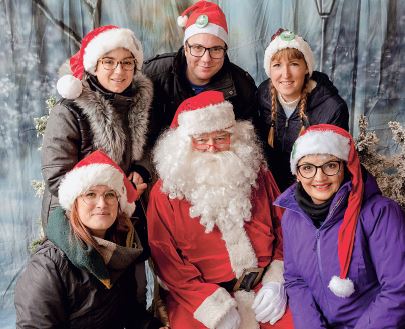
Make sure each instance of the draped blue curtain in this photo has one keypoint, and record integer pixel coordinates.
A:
(362, 55)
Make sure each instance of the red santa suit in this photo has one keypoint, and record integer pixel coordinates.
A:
(191, 263)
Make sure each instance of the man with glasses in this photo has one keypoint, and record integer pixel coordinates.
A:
(200, 64)
(214, 235)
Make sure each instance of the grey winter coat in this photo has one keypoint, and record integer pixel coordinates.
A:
(97, 119)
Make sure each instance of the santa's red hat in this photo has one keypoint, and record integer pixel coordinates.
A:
(283, 39)
(94, 45)
(206, 112)
(204, 17)
(97, 169)
(330, 139)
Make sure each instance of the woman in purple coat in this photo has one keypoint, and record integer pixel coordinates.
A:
(344, 243)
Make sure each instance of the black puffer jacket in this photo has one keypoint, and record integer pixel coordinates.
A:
(53, 293)
(171, 87)
(324, 106)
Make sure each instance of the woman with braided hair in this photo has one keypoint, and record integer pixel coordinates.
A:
(292, 99)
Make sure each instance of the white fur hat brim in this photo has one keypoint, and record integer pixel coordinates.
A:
(210, 28)
(297, 43)
(208, 119)
(79, 180)
(110, 40)
(319, 142)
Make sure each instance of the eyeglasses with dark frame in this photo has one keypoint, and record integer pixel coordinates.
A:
(91, 198)
(127, 64)
(216, 52)
(330, 168)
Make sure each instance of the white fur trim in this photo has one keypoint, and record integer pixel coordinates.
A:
(275, 272)
(239, 247)
(319, 142)
(245, 299)
(210, 28)
(298, 43)
(182, 21)
(69, 87)
(110, 40)
(211, 118)
(81, 179)
(341, 287)
(214, 308)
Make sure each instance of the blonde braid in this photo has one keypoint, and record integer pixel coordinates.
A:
(302, 107)
(273, 93)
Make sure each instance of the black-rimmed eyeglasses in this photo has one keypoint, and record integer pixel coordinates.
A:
(309, 170)
(216, 52)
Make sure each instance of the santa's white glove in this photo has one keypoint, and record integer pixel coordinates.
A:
(231, 320)
(270, 302)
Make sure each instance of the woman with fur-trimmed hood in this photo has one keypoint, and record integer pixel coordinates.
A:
(105, 106)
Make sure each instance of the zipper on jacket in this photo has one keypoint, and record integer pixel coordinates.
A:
(318, 243)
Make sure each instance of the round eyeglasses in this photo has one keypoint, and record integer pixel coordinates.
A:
(91, 198)
(219, 143)
(309, 170)
(110, 64)
(216, 52)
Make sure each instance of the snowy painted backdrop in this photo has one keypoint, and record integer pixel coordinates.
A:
(363, 41)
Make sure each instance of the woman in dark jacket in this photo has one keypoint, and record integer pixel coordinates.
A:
(344, 243)
(293, 98)
(105, 105)
(82, 276)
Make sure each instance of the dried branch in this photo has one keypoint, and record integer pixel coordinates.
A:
(66, 30)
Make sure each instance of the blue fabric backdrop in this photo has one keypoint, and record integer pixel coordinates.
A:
(364, 41)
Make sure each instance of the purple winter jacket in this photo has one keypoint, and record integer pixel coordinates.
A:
(377, 266)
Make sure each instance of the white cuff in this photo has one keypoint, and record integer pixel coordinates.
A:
(214, 308)
(275, 272)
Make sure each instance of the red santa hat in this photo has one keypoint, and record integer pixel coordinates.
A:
(206, 112)
(97, 169)
(204, 17)
(330, 139)
(286, 39)
(94, 45)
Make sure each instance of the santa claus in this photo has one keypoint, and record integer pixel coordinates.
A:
(214, 235)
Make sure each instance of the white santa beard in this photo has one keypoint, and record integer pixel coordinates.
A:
(219, 189)
(218, 185)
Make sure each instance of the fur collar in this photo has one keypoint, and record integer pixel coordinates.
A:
(107, 124)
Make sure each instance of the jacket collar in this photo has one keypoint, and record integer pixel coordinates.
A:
(112, 117)
(287, 200)
(222, 81)
(107, 267)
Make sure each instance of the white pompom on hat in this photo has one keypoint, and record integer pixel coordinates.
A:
(204, 17)
(206, 112)
(97, 169)
(330, 139)
(94, 45)
(283, 39)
